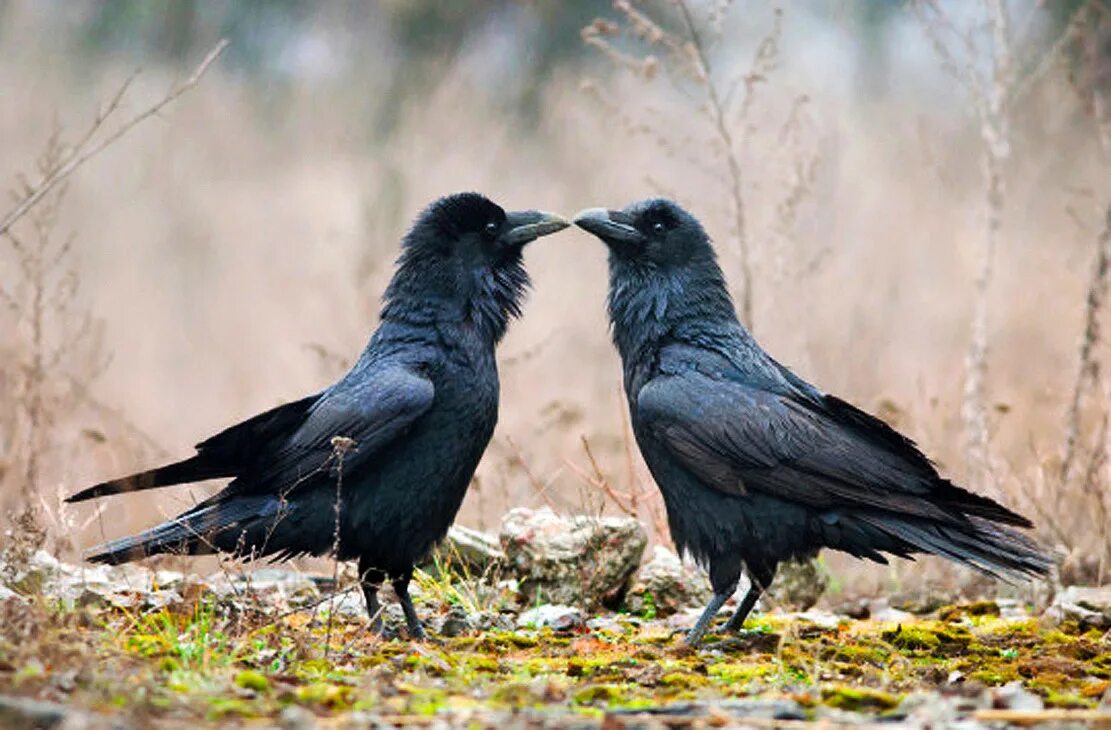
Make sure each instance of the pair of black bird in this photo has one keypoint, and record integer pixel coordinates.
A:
(756, 466)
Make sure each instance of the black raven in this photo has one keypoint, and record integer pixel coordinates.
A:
(756, 465)
(374, 467)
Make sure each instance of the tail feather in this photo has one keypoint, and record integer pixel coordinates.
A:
(977, 505)
(194, 469)
(989, 548)
(236, 525)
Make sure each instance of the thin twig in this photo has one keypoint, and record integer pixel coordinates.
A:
(340, 446)
(721, 125)
(82, 153)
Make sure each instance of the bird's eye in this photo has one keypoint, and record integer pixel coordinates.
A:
(491, 228)
(657, 227)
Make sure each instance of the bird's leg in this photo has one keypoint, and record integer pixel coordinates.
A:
(761, 579)
(707, 616)
(737, 620)
(412, 622)
(370, 578)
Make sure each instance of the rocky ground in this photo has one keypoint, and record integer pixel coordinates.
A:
(556, 622)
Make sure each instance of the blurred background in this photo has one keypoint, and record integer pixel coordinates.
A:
(915, 192)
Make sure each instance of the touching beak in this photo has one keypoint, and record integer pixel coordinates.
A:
(529, 225)
(612, 226)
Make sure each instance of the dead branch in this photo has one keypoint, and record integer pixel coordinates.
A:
(85, 150)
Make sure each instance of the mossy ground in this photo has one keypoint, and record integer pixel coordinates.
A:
(201, 662)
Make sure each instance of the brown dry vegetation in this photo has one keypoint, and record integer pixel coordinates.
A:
(234, 248)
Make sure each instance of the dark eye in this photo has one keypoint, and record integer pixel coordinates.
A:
(491, 228)
(657, 227)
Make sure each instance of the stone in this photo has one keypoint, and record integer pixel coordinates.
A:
(1088, 606)
(665, 584)
(457, 622)
(479, 552)
(769, 709)
(1012, 696)
(798, 585)
(557, 618)
(578, 560)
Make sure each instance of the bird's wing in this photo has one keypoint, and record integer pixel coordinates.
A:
(825, 454)
(345, 428)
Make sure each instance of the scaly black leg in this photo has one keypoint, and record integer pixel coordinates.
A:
(761, 579)
(412, 622)
(370, 578)
(707, 616)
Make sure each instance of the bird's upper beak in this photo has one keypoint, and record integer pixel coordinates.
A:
(612, 226)
(528, 225)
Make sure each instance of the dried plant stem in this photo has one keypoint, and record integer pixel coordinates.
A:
(1088, 373)
(736, 189)
(86, 150)
(340, 446)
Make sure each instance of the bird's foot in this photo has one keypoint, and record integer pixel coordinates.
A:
(416, 632)
(695, 636)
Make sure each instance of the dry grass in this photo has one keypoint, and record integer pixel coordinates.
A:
(225, 245)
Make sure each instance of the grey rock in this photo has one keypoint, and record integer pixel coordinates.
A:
(295, 717)
(1012, 696)
(1088, 606)
(479, 552)
(771, 709)
(577, 560)
(798, 585)
(7, 594)
(457, 622)
(880, 610)
(23, 712)
(665, 584)
(821, 619)
(924, 600)
(558, 618)
(492, 621)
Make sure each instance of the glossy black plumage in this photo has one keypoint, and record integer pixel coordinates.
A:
(402, 431)
(757, 466)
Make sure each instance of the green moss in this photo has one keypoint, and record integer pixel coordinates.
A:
(858, 699)
(599, 694)
(912, 638)
(222, 707)
(995, 676)
(683, 680)
(929, 636)
(740, 672)
(855, 654)
(1068, 701)
(481, 663)
(252, 680)
(325, 694)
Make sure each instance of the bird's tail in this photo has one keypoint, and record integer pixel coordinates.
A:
(978, 543)
(238, 525)
(194, 469)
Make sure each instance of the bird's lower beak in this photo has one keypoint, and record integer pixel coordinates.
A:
(528, 225)
(612, 226)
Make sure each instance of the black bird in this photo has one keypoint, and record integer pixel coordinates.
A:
(756, 465)
(396, 440)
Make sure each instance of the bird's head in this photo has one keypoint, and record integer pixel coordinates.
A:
(649, 234)
(663, 270)
(462, 258)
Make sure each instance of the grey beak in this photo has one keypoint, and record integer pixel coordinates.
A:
(612, 226)
(528, 225)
